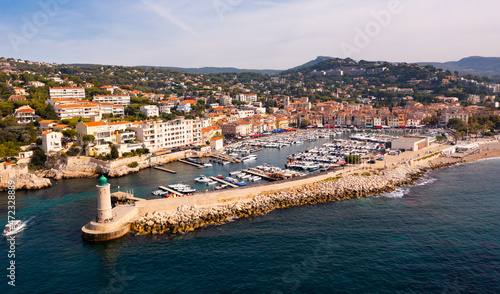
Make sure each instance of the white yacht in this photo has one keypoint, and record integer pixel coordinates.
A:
(14, 227)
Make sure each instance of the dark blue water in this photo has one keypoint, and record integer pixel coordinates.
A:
(442, 237)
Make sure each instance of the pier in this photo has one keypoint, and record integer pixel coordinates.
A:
(259, 173)
(165, 169)
(225, 158)
(170, 190)
(191, 163)
(224, 182)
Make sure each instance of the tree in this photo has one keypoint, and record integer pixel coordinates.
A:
(114, 152)
(305, 123)
(70, 133)
(88, 138)
(455, 123)
(50, 113)
(352, 159)
(9, 149)
(38, 160)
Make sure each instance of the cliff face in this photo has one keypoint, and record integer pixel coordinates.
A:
(25, 181)
(89, 169)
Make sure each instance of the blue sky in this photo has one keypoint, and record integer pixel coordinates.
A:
(275, 34)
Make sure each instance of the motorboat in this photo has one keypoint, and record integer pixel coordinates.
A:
(207, 164)
(14, 227)
(211, 183)
(202, 179)
(249, 158)
(220, 187)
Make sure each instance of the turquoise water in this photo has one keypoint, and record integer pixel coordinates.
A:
(439, 237)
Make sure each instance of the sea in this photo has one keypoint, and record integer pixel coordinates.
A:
(441, 235)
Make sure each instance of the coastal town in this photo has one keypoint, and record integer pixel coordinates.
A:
(69, 121)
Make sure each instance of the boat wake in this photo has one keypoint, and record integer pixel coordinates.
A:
(29, 220)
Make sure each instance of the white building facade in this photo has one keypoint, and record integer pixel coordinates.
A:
(67, 92)
(157, 135)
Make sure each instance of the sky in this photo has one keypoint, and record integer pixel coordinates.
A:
(274, 34)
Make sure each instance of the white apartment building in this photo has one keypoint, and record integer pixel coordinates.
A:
(165, 106)
(156, 135)
(51, 141)
(247, 97)
(242, 113)
(67, 92)
(184, 107)
(108, 108)
(150, 110)
(114, 132)
(70, 111)
(36, 84)
(113, 99)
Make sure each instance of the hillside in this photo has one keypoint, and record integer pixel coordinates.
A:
(216, 70)
(474, 65)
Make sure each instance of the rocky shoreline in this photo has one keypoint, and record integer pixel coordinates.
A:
(27, 181)
(89, 170)
(189, 218)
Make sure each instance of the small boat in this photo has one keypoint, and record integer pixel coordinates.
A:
(220, 187)
(202, 179)
(220, 177)
(208, 164)
(249, 158)
(211, 183)
(157, 192)
(226, 162)
(14, 227)
(234, 173)
(240, 184)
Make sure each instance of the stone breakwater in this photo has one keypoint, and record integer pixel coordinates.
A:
(189, 218)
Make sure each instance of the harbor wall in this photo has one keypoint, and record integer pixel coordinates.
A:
(188, 217)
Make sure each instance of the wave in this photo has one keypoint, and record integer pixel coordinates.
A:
(425, 180)
(488, 159)
(398, 193)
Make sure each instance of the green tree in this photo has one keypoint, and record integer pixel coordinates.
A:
(9, 149)
(50, 113)
(38, 160)
(352, 159)
(70, 133)
(88, 138)
(114, 152)
(455, 123)
(305, 123)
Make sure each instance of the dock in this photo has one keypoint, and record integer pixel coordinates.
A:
(256, 172)
(191, 163)
(164, 169)
(226, 158)
(224, 182)
(171, 190)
